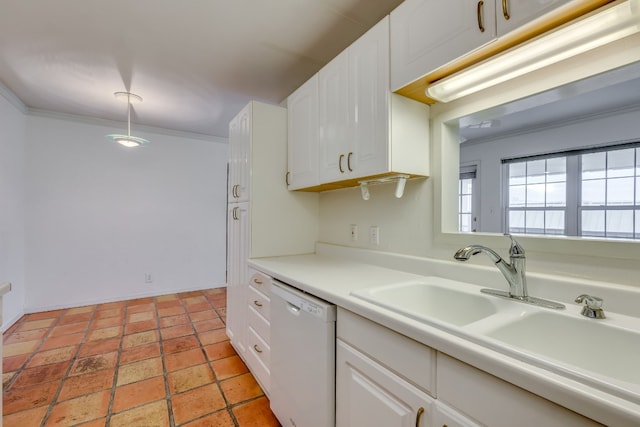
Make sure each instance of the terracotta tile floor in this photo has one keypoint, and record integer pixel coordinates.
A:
(148, 362)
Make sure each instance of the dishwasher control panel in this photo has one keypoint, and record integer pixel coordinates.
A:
(300, 301)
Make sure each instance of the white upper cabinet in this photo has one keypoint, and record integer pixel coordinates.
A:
(354, 108)
(302, 113)
(512, 14)
(239, 153)
(369, 108)
(363, 129)
(427, 34)
(333, 118)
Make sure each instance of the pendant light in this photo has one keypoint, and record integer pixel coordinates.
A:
(128, 140)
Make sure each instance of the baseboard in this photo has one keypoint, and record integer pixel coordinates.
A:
(7, 323)
(29, 310)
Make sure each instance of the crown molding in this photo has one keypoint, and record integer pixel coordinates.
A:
(13, 99)
(36, 112)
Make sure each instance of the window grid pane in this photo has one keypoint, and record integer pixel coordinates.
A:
(537, 192)
(610, 195)
(465, 207)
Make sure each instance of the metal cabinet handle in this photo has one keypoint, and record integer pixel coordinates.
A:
(419, 415)
(505, 10)
(349, 161)
(340, 163)
(286, 178)
(235, 213)
(257, 303)
(257, 281)
(256, 348)
(480, 20)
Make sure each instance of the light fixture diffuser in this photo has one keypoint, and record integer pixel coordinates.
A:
(611, 24)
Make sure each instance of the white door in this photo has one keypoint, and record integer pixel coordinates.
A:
(427, 34)
(239, 155)
(302, 147)
(444, 415)
(368, 394)
(369, 102)
(512, 14)
(237, 273)
(333, 119)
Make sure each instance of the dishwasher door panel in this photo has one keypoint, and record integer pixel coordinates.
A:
(302, 358)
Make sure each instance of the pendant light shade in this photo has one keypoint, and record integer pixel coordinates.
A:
(128, 140)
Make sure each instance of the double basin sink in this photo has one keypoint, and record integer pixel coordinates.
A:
(602, 352)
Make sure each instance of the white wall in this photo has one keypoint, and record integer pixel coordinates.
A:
(609, 128)
(100, 216)
(12, 129)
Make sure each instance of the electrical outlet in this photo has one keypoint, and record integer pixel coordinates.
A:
(354, 232)
(148, 278)
(374, 235)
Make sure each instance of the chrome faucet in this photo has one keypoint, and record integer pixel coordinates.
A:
(592, 306)
(514, 272)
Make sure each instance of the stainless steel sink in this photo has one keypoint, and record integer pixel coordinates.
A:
(432, 299)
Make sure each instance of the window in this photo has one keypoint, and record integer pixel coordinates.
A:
(466, 199)
(610, 196)
(592, 192)
(537, 196)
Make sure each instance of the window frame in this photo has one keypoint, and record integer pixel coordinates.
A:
(573, 202)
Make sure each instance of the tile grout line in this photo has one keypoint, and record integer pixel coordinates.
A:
(114, 382)
(54, 400)
(34, 351)
(210, 306)
(165, 372)
(216, 381)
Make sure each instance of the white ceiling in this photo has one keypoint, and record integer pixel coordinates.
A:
(196, 63)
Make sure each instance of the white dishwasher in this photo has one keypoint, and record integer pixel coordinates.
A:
(303, 343)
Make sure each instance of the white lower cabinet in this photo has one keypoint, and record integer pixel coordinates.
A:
(445, 416)
(367, 394)
(495, 402)
(386, 379)
(258, 332)
(238, 231)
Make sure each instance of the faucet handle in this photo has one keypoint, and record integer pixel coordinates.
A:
(593, 306)
(516, 250)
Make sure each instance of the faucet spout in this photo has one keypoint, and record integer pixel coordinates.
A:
(513, 272)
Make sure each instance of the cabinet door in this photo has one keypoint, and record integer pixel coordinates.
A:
(369, 395)
(239, 154)
(521, 12)
(333, 119)
(237, 273)
(369, 102)
(443, 415)
(302, 147)
(427, 34)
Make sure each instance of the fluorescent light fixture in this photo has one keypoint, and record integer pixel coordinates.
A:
(611, 24)
(128, 140)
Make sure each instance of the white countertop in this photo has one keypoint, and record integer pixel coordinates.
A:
(333, 279)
